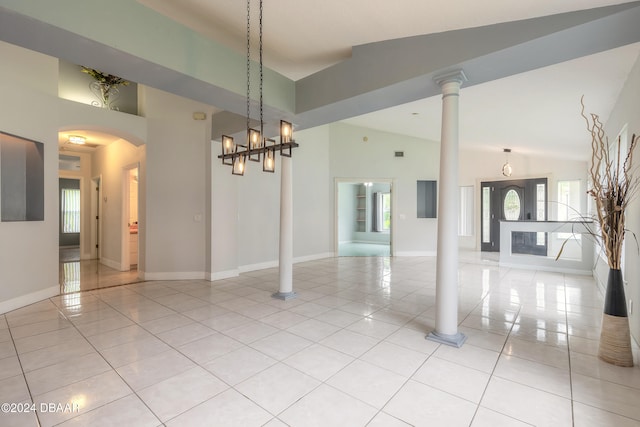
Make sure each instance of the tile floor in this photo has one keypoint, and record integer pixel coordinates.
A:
(349, 351)
(82, 275)
(363, 249)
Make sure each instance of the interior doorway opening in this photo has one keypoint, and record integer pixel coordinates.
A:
(364, 218)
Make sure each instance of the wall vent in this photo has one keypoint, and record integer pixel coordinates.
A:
(399, 153)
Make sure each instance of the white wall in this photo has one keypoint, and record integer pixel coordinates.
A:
(175, 223)
(627, 111)
(29, 108)
(246, 209)
(352, 157)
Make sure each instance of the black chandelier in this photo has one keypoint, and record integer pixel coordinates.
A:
(257, 147)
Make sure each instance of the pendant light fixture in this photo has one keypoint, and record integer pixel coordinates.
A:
(506, 168)
(257, 146)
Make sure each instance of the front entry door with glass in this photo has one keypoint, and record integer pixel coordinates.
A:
(513, 200)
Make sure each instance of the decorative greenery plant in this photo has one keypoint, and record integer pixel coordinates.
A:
(104, 78)
(105, 86)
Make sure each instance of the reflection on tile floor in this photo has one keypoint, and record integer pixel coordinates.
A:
(363, 249)
(349, 351)
(85, 275)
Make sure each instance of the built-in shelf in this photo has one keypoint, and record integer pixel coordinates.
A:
(361, 208)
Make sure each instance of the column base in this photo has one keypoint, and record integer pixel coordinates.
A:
(453, 340)
(284, 295)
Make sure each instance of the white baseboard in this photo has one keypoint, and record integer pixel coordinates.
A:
(258, 266)
(314, 257)
(415, 253)
(110, 263)
(545, 268)
(24, 300)
(221, 275)
(174, 275)
(274, 263)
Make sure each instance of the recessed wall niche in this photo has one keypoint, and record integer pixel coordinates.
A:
(427, 199)
(21, 179)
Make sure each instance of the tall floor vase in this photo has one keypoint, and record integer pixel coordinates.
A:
(615, 337)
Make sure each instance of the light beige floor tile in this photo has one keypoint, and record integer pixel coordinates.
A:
(386, 420)
(588, 416)
(250, 332)
(420, 405)
(373, 328)
(126, 411)
(488, 340)
(238, 365)
(173, 396)
(277, 387)
(209, 347)
(14, 389)
(185, 334)
(319, 361)
(84, 395)
(70, 371)
(314, 330)
(143, 373)
(281, 345)
(350, 343)
(326, 406)
(166, 323)
(591, 366)
(126, 353)
(527, 404)
(102, 326)
(395, 358)
(55, 354)
(257, 311)
(5, 335)
(583, 345)
(116, 337)
(452, 378)
(19, 419)
(226, 321)
(229, 408)
(470, 356)
(39, 328)
(538, 352)
(338, 318)
(487, 418)
(543, 377)
(414, 340)
(7, 349)
(367, 382)
(616, 398)
(284, 319)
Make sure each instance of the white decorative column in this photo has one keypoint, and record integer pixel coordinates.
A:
(286, 232)
(446, 331)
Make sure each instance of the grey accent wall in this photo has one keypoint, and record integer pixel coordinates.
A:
(22, 179)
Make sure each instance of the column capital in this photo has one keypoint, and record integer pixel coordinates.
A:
(451, 76)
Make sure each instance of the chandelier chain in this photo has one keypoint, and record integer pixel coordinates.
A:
(261, 77)
(248, 63)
